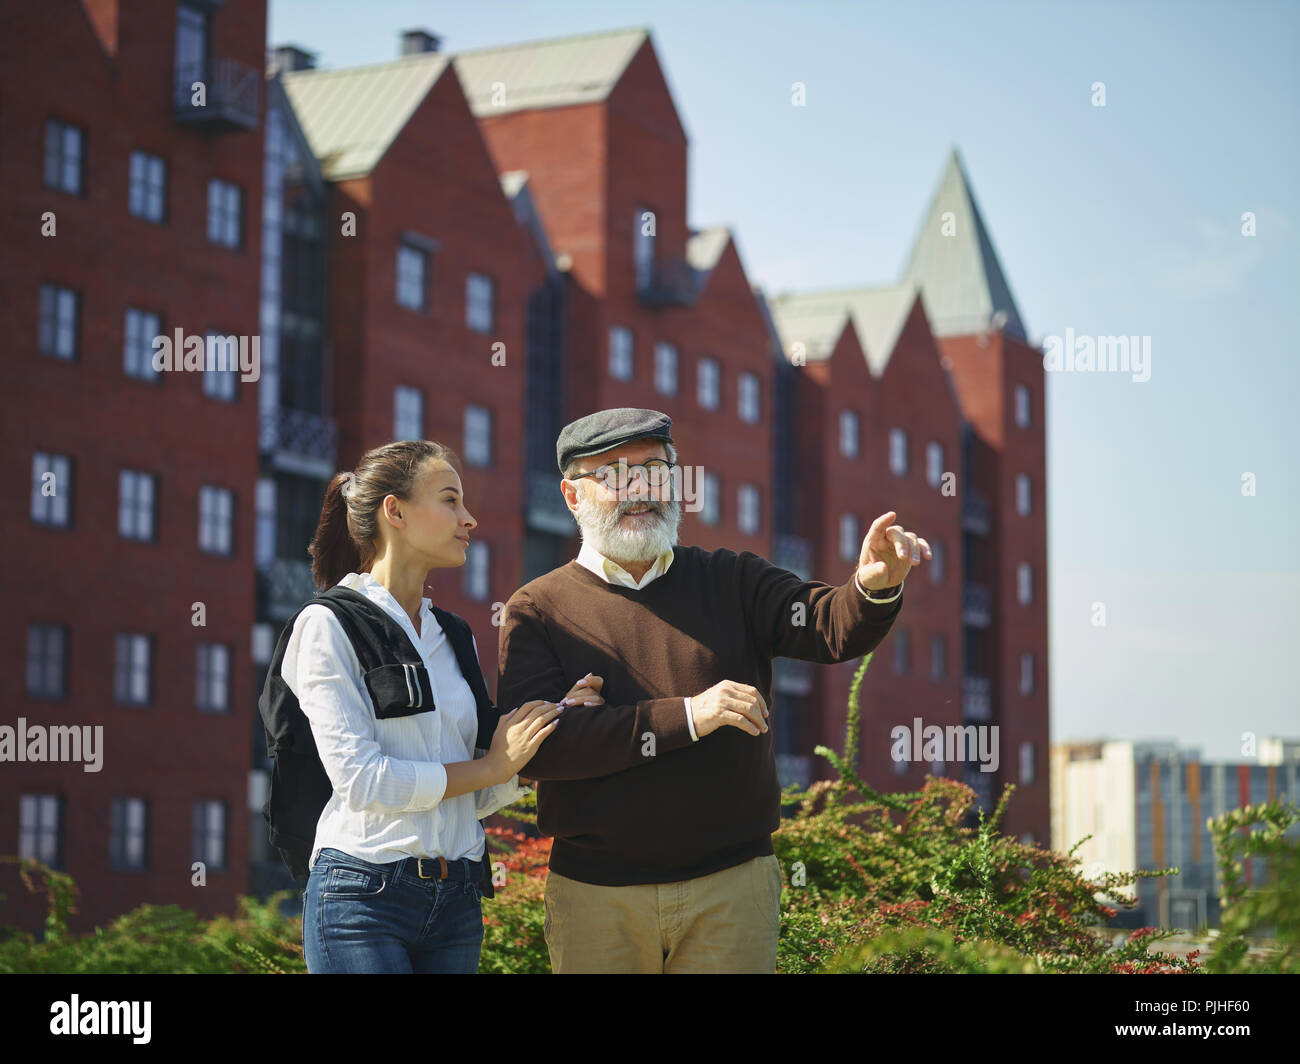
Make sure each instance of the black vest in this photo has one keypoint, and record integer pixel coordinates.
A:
(399, 686)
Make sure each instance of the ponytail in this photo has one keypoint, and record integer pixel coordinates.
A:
(348, 532)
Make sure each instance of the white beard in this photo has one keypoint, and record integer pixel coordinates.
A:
(602, 529)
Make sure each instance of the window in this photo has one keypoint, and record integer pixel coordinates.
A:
(39, 817)
(1026, 674)
(51, 489)
(711, 499)
(408, 413)
(135, 505)
(264, 524)
(208, 834)
(850, 541)
(128, 838)
(60, 318)
(131, 672)
(620, 353)
(933, 463)
(220, 365)
(212, 685)
(1022, 494)
(938, 657)
(748, 396)
(902, 652)
(708, 383)
(137, 352)
(216, 519)
(478, 302)
(412, 277)
(644, 248)
(898, 452)
(1024, 583)
(65, 153)
(478, 563)
(665, 369)
(747, 509)
(191, 49)
(148, 192)
(47, 658)
(848, 434)
(936, 562)
(478, 435)
(1026, 762)
(1022, 406)
(225, 207)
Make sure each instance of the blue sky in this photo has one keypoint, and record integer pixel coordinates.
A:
(1115, 220)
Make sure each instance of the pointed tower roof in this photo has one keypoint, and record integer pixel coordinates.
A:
(960, 276)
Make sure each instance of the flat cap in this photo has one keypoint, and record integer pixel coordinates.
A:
(606, 429)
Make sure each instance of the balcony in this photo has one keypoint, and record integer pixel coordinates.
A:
(793, 553)
(232, 95)
(791, 677)
(285, 586)
(976, 698)
(976, 605)
(546, 511)
(975, 513)
(295, 441)
(671, 284)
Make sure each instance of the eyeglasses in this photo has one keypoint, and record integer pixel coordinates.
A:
(618, 475)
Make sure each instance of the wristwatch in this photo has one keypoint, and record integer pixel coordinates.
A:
(883, 592)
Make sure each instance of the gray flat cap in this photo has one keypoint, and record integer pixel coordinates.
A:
(606, 429)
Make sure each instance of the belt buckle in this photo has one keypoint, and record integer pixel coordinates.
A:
(442, 864)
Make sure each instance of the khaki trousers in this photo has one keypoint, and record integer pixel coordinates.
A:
(724, 922)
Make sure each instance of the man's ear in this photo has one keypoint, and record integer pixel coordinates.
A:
(570, 490)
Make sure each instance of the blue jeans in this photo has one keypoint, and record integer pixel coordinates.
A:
(359, 917)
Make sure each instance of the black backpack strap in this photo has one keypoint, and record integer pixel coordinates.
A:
(462, 643)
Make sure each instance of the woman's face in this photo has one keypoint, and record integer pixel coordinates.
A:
(437, 523)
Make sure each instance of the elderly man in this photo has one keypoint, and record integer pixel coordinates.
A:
(663, 797)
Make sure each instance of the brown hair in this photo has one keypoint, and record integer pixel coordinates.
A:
(349, 525)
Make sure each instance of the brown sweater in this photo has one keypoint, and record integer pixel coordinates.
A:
(620, 816)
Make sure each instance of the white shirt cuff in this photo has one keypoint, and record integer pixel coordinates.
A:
(690, 720)
(430, 785)
(879, 601)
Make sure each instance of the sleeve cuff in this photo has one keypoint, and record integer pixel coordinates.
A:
(870, 596)
(430, 785)
(690, 720)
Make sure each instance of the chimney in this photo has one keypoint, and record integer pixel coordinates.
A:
(289, 57)
(416, 41)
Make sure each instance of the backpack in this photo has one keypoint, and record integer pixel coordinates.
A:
(399, 686)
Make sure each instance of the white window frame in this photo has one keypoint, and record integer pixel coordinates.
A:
(898, 452)
(747, 517)
(412, 276)
(408, 413)
(643, 248)
(137, 494)
(1024, 583)
(212, 678)
(141, 328)
(850, 538)
(748, 397)
(216, 519)
(478, 572)
(147, 194)
(621, 353)
(40, 828)
(1026, 673)
(56, 509)
(934, 463)
(225, 213)
(1026, 763)
(65, 157)
(209, 834)
(128, 833)
(665, 368)
(132, 669)
(850, 433)
(477, 450)
(47, 661)
(59, 325)
(480, 296)
(710, 499)
(1022, 406)
(936, 561)
(1024, 495)
(219, 383)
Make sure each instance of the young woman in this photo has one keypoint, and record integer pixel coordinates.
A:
(399, 850)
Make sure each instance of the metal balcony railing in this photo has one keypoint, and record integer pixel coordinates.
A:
(976, 697)
(671, 283)
(232, 94)
(285, 586)
(976, 605)
(299, 442)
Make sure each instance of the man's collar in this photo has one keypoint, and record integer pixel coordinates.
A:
(610, 571)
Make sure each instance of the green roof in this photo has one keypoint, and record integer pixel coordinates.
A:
(817, 320)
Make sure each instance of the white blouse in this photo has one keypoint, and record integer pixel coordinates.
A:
(388, 775)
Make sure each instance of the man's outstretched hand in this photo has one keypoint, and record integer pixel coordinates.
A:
(888, 554)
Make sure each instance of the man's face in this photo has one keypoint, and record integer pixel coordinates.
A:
(635, 525)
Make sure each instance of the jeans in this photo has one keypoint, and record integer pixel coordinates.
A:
(360, 917)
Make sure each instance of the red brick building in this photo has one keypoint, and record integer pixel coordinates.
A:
(130, 212)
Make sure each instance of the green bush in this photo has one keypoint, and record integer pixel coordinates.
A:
(873, 883)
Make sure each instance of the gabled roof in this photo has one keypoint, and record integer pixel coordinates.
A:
(814, 320)
(562, 72)
(703, 250)
(879, 315)
(351, 116)
(960, 276)
(818, 318)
